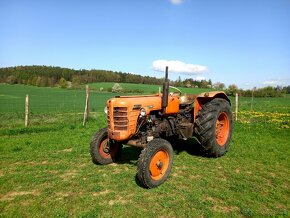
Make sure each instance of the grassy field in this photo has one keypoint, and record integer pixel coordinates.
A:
(147, 89)
(46, 170)
(51, 105)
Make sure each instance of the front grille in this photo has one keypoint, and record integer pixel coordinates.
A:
(120, 115)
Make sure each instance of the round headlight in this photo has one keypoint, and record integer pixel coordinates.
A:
(143, 112)
(106, 110)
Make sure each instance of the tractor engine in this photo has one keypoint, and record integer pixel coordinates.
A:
(140, 123)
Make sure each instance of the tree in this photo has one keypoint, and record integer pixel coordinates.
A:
(76, 81)
(232, 90)
(117, 88)
(38, 81)
(219, 85)
(62, 83)
(11, 79)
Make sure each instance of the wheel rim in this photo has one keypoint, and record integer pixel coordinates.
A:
(104, 149)
(222, 129)
(159, 164)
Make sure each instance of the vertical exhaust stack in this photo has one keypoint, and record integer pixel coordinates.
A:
(165, 90)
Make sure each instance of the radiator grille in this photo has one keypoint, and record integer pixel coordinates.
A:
(120, 116)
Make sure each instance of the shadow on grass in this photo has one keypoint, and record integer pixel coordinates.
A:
(130, 154)
(190, 146)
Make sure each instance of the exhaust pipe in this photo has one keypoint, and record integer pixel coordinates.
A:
(165, 90)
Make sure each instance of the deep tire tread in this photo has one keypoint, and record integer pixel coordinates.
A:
(205, 127)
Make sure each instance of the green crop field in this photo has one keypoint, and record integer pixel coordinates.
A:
(46, 170)
(147, 89)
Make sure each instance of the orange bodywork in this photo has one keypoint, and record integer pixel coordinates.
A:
(123, 113)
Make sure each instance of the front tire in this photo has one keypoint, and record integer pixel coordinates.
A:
(155, 163)
(214, 126)
(102, 150)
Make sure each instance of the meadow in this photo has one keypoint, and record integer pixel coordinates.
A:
(46, 170)
(146, 89)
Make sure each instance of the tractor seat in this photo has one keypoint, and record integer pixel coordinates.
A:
(187, 99)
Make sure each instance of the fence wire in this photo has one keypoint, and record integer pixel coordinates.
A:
(48, 105)
(52, 105)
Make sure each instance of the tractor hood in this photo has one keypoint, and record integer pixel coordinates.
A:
(149, 102)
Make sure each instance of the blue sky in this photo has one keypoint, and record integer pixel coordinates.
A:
(243, 42)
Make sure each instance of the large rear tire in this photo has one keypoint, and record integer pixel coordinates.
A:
(155, 163)
(102, 150)
(214, 126)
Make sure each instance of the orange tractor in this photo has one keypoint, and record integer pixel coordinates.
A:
(149, 121)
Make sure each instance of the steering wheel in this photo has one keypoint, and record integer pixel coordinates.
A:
(179, 92)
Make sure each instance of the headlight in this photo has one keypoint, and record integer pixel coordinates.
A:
(106, 110)
(143, 112)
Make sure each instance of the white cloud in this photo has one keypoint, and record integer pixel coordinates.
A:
(176, 2)
(178, 67)
(271, 82)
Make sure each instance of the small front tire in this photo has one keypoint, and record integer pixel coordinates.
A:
(104, 151)
(155, 163)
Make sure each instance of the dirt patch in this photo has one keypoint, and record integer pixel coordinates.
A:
(224, 209)
(83, 165)
(67, 150)
(26, 203)
(62, 195)
(12, 195)
(32, 163)
(1, 173)
(212, 199)
(53, 171)
(105, 192)
(69, 174)
(120, 200)
(195, 176)
(174, 174)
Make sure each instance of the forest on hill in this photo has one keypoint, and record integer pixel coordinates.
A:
(51, 76)
(57, 76)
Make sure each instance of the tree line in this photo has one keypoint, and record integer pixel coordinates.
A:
(268, 91)
(50, 76)
(53, 76)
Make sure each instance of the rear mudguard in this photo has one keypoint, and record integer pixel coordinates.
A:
(204, 97)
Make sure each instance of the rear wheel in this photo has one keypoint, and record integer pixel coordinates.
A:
(103, 150)
(213, 127)
(155, 163)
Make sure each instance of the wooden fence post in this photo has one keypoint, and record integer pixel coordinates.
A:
(237, 105)
(26, 110)
(252, 98)
(87, 105)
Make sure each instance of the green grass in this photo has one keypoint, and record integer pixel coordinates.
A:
(147, 89)
(48, 100)
(46, 170)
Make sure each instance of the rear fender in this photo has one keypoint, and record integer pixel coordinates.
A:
(205, 97)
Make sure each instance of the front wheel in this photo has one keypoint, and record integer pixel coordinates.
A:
(155, 163)
(214, 126)
(102, 150)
